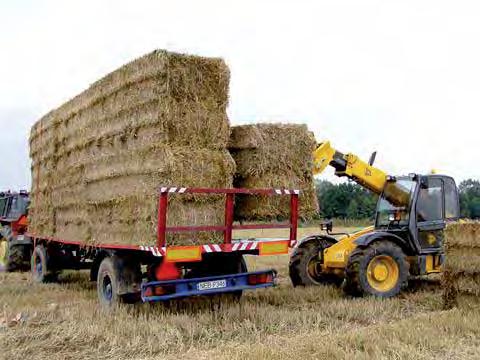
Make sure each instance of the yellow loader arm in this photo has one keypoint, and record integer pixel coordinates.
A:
(349, 165)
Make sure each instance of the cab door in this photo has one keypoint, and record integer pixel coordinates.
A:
(430, 215)
(437, 203)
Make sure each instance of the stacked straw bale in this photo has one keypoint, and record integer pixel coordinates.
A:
(462, 268)
(273, 156)
(99, 159)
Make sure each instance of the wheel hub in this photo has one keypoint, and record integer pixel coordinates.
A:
(383, 273)
(38, 265)
(314, 267)
(107, 289)
(380, 272)
(3, 253)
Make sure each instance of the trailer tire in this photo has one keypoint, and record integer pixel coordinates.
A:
(113, 278)
(41, 268)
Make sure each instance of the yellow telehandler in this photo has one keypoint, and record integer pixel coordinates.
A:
(406, 239)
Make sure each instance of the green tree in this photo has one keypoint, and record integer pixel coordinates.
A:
(345, 200)
(470, 198)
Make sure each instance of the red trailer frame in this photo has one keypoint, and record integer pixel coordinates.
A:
(166, 261)
(229, 244)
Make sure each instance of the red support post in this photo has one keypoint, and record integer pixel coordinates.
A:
(293, 216)
(162, 219)
(227, 235)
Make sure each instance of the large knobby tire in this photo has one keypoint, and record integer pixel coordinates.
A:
(42, 271)
(12, 257)
(111, 273)
(381, 269)
(305, 265)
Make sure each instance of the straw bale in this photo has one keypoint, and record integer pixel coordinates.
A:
(462, 267)
(99, 159)
(281, 159)
(275, 207)
(245, 137)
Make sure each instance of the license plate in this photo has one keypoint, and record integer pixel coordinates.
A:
(209, 285)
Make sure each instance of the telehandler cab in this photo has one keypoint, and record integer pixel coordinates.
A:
(406, 239)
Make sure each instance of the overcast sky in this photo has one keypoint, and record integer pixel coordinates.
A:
(399, 77)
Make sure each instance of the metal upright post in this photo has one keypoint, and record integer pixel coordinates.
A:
(227, 235)
(162, 219)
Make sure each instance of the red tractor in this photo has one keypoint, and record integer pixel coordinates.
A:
(15, 247)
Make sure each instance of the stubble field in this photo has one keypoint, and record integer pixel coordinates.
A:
(63, 321)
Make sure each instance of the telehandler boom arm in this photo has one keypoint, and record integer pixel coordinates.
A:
(349, 165)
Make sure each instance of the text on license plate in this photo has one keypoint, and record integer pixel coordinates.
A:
(208, 285)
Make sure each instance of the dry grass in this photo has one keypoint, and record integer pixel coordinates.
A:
(62, 321)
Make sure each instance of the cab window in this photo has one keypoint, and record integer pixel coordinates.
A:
(430, 201)
(3, 204)
(452, 210)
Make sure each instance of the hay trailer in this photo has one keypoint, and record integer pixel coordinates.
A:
(131, 273)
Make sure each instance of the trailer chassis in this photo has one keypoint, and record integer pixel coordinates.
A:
(149, 273)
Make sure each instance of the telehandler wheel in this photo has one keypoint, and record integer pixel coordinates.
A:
(41, 266)
(305, 265)
(381, 270)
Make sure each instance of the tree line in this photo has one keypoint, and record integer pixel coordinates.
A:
(351, 201)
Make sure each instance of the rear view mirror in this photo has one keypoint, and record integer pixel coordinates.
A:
(326, 225)
(424, 182)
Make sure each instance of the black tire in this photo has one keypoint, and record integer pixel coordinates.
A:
(305, 265)
(42, 271)
(13, 257)
(112, 278)
(359, 281)
(16, 258)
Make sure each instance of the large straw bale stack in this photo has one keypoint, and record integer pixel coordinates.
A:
(462, 268)
(273, 156)
(99, 159)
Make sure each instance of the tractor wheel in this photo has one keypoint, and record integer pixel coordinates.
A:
(381, 270)
(114, 274)
(4, 254)
(305, 265)
(42, 271)
(12, 257)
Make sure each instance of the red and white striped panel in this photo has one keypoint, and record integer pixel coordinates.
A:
(287, 192)
(180, 190)
(156, 251)
(243, 246)
(212, 248)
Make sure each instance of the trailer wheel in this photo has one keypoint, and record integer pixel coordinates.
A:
(114, 276)
(41, 267)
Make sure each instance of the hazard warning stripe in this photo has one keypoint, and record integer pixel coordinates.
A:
(212, 248)
(287, 192)
(180, 190)
(156, 251)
